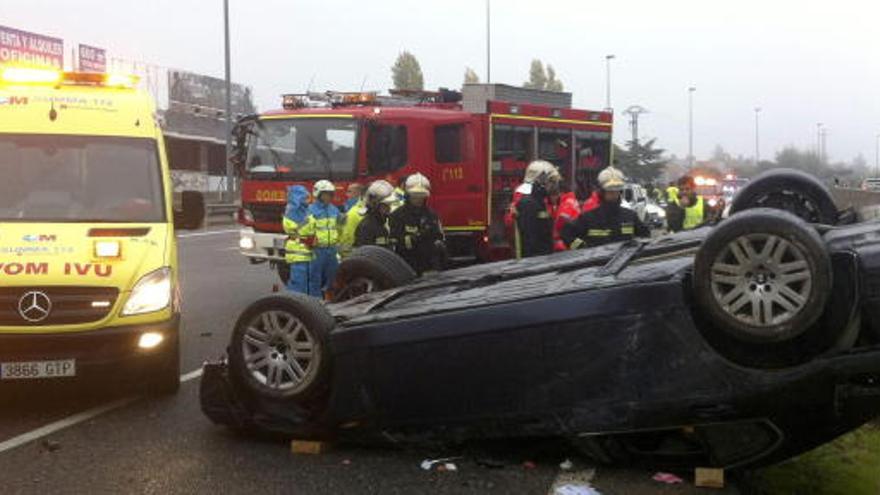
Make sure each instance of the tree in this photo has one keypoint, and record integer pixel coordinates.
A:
(537, 76)
(470, 76)
(641, 161)
(407, 73)
(552, 83)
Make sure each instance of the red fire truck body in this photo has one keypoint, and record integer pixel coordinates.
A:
(474, 160)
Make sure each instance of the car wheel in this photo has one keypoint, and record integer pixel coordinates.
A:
(763, 276)
(279, 347)
(165, 376)
(790, 190)
(283, 270)
(370, 269)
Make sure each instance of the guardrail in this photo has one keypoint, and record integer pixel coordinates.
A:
(220, 214)
(866, 203)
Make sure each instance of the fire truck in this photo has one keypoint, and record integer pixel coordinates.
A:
(473, 145)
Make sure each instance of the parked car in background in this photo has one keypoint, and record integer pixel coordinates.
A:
(635, 197)
(871, 184)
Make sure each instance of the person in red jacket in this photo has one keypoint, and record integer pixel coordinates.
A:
(592, 202)
(567, 210)
(532, 170)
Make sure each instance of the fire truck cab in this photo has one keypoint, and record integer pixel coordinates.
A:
(473, 146)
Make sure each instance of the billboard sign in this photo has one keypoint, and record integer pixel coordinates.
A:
(92, 59)
(187, 88)
(30, 49)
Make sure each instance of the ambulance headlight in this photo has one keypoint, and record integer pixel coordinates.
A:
(151, 293)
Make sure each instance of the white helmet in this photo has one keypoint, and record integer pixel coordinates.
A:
(533, 170)
(323, 186)
(547, 173)
(380, 191)
(417, 184)
(611, 179)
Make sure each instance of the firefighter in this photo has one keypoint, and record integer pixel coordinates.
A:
(610, 222)
(324, 222)
(415, 229)
(353, 216)
(523, 189)
(689, 211)
(298, 254)
(534, 213)
(373, 228)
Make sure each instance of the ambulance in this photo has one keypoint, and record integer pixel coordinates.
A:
(88, 257)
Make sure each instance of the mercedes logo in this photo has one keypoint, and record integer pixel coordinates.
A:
(34, 306)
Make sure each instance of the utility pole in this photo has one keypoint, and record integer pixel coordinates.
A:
(634, 111)
(819, 141)
(691, 125)
(488, 43)
(823, 135)
(877, 157)
(757, 137)
(608, 59)
(230, 182)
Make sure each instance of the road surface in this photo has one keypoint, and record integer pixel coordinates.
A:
(64, 439)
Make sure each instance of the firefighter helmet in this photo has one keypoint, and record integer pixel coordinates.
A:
(417, 184)
(547, 174)
(611, 179)
(323, 186)
(534, 170)
(380, 191)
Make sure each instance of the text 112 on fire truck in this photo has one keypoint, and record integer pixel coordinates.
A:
(473, 145)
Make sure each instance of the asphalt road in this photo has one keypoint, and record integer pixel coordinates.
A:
(69, 439)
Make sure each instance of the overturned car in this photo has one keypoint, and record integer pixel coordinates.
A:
(735, 344)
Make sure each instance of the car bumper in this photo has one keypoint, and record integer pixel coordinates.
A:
(261, 246)
(98, 353)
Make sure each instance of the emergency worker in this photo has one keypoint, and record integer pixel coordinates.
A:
(415, 229)
(373, 228)
(690, 210)
(353, 216)
(524, 189)
(353, 195)
(608, 223)
(566, 209)
(298, 253)
(534, 213)
(324, 222)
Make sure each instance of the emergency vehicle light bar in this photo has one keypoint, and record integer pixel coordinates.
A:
(292, 101)
(27, 75)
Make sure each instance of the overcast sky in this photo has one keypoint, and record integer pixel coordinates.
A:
(801, 61)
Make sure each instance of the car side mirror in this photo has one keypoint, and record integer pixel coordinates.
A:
(191, 214)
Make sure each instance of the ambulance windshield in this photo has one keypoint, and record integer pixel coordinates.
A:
(64, 178)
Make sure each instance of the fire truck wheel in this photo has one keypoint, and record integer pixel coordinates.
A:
(370, 269)
(279, 347)
(791, 190)
(763, 278)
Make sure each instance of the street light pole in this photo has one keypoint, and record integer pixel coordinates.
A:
(230, 183)
(877, 157)
(757, 137)
(488, 44)
(691, 125)
(819, 141)
(608, 59)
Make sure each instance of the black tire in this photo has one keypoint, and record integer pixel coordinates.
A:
(370, 269)
(306, 321)
(790, 190)
(283, 271)
(763, 277)
(164, 378)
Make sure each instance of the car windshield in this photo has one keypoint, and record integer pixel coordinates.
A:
(303, 148)
(63, 178)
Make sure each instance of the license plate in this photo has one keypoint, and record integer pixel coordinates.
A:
(37, 369)
(279, 243)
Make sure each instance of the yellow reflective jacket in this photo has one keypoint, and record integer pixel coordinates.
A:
(353, 218)
(295, 250)
(694, 215)
(324, 222)
(672, 195)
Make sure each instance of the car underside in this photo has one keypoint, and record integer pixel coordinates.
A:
(735, 344)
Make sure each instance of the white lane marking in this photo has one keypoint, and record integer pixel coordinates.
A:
(57, 426)
(203, 234)
(78, 418)
(192, 375)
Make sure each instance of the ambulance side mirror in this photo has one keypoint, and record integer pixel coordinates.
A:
(191, 214)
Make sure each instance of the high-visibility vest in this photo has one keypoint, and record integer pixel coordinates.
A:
(693, 215)
(353, 218)
(672, 195)
(295, 250)
(323, 226)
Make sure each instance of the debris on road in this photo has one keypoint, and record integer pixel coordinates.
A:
(529, 465)
(668, 478)
(575, 489)
(430, 464)
(709, 477)
(50, 445)
(566, 465)
(309, 447)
